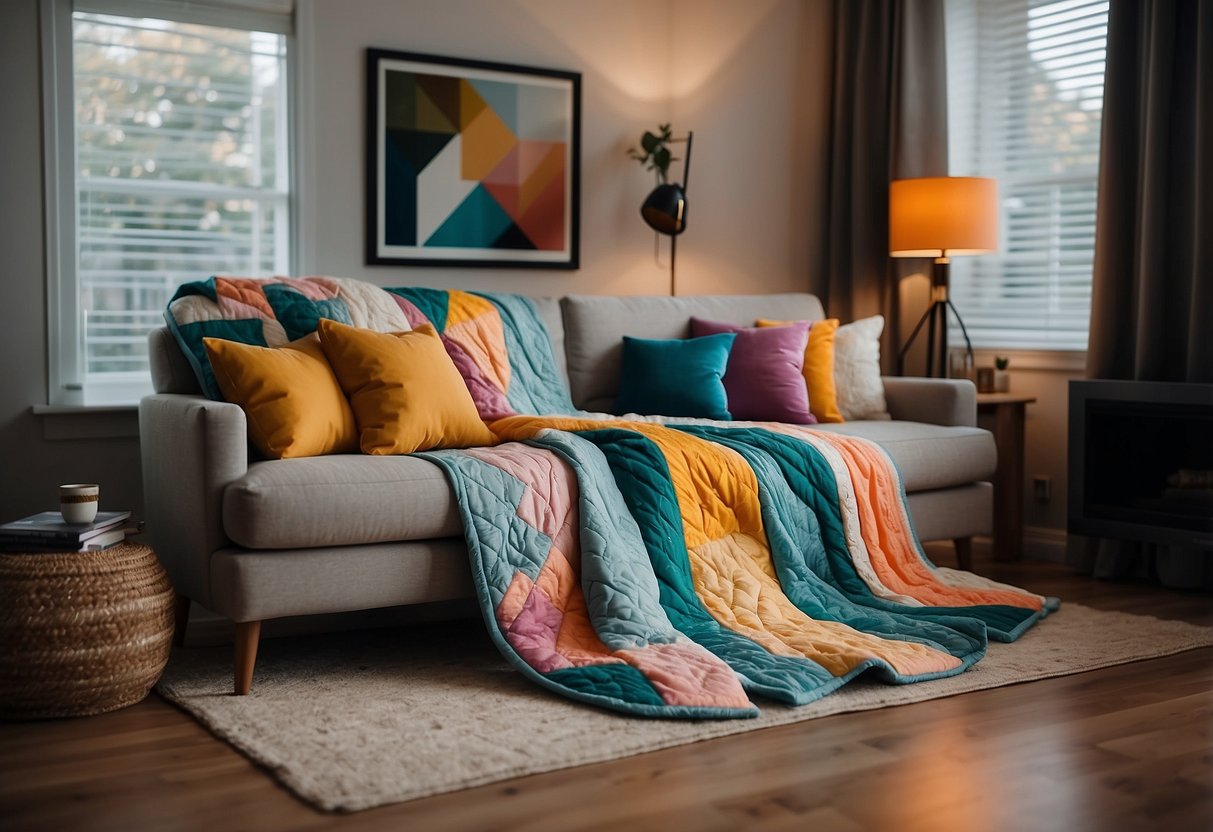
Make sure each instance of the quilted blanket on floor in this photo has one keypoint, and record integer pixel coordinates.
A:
(675, 570)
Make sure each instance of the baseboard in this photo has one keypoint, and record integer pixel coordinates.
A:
(1044, 543)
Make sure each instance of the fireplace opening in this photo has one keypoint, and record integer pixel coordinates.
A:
(1141, 461)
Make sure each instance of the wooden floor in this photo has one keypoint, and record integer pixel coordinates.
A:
(1128, 747)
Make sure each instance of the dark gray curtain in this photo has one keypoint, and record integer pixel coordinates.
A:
(888, 121)
(1152, 294)
(1152, 297)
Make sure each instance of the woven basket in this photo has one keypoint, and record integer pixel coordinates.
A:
(81, 633)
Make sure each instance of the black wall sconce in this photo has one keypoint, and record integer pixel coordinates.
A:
(665, 209)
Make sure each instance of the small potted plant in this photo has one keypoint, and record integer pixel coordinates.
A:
(1002, 378)
(654, 152)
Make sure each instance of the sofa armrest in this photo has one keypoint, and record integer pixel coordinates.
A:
(936, 401)
(191, 448)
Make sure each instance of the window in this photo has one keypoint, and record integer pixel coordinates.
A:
(178, 151)
(1025, 96)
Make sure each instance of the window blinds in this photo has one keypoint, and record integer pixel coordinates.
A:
(1025, 94)
(181, 173)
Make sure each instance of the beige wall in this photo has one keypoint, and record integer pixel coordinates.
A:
(753, 81)
(729, 71)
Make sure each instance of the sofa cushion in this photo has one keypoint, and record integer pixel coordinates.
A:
(764, 378)
(929, 456)
(339, 500)
(857, 379)
(675, 376)
(294, 405)
(406, 393)
(549, 311)
(373, 499)
(595, 326)
(818, 368)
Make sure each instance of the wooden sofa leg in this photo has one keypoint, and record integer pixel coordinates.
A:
(248, 633)
(964, 552)
(181, 619)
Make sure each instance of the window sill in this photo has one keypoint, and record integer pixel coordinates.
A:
(1056, 361)
(82, 409)
(108, 421)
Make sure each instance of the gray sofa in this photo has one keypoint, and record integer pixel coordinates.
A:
(258, 540)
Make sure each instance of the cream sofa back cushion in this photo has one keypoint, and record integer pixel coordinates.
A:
(594, 329)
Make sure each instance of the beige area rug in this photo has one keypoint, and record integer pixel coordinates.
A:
(355, 720)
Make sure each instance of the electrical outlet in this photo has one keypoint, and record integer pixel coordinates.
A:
(1042, 487)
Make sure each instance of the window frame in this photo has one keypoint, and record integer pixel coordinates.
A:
(1048, 346)
(65, 348)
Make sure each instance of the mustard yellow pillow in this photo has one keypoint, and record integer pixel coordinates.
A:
(290, 397)
(404, 389)
(819, 368)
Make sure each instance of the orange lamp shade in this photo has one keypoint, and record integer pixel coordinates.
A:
(943, 216)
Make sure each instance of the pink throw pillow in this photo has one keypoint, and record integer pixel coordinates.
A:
(764, 378)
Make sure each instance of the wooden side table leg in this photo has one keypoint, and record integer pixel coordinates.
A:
(1008, 483)
(181, 619)
(248, 633)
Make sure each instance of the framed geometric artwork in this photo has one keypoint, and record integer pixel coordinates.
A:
(470, 163)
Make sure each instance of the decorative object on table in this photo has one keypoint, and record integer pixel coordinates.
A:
(961, 366)
(48, 532)
(470, 163)
(941, 217)
(82, 634)
(665, 208)
(985, 379)
(1002, 378)
(78, 502)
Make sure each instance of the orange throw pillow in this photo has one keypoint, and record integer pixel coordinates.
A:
(404, 389)
(819, 368)
(289, 395)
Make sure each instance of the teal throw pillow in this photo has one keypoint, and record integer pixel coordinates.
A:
(675, 377)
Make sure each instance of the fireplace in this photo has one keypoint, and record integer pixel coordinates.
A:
(1141, 461)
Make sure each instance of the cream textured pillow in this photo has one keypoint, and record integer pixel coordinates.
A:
(857, 369)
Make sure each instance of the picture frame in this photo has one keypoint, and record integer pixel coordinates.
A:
(471, 163)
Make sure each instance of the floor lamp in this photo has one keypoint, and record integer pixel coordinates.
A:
(665, 209)
(941, 217)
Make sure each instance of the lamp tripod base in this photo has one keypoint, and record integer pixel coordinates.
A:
(936, 320)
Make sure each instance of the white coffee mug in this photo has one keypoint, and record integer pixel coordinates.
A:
(78, 502)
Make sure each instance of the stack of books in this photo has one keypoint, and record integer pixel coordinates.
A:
(46, 532)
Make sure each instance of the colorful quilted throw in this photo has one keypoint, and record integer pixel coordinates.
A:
(499, 346)
(659, 570)
(674, 570)
(496, 340)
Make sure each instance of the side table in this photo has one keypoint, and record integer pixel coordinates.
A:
(82, 632)
(1006, 415)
